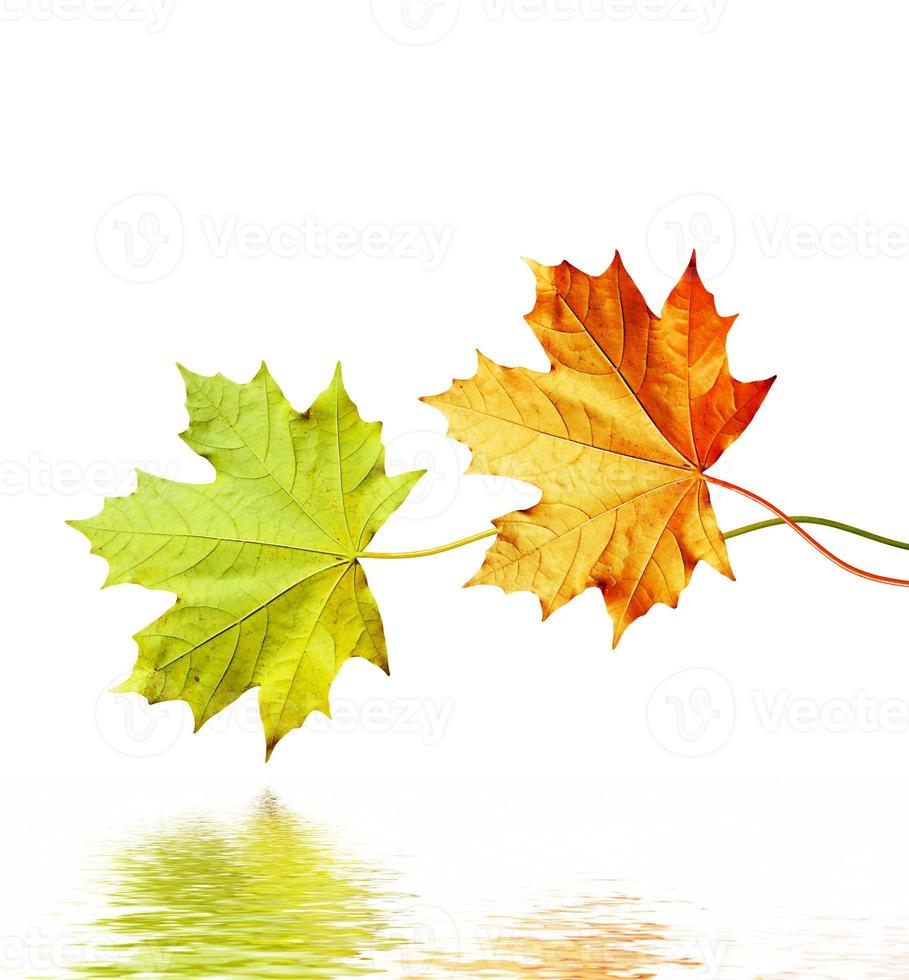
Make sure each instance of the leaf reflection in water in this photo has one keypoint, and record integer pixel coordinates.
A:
(602, 939)
(267, 898)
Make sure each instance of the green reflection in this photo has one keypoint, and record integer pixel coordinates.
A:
(266, 899)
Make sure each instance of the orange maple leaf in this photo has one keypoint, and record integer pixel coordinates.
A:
(617, 436)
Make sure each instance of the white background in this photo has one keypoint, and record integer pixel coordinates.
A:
(768, 135)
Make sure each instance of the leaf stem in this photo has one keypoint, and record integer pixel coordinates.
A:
(802, 519)
(430, 551)
(779, 521)
(872, 576)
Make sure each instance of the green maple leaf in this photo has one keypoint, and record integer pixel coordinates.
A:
(264, 560)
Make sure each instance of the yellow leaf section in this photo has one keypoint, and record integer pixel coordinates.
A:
(616, 435)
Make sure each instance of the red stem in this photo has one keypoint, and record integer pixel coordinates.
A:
(886, 579)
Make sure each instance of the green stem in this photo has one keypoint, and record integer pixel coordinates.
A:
(728, 535)
(800, 519)
(430, 551)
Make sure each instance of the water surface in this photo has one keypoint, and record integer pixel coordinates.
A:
(267, 893)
